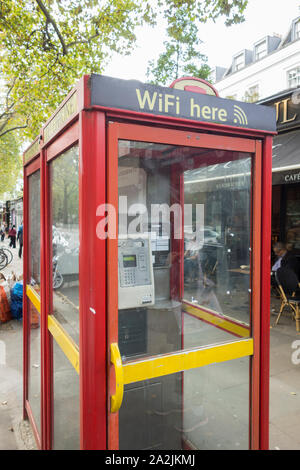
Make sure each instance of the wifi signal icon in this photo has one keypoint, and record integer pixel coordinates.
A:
(239, 115)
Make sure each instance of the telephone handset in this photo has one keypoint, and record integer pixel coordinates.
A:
(136, 280)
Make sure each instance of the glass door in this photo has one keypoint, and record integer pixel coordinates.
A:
(182, 371)
(63, 317)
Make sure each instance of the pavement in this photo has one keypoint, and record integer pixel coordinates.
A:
(16, 434)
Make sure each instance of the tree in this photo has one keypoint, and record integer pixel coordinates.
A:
(10, 163)
(182, 49)
(182, 56)
(46, 45)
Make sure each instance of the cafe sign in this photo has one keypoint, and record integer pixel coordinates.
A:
(286, 177)
(288, 111)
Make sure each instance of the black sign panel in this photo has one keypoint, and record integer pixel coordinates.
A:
(150, 99)
(286, 177)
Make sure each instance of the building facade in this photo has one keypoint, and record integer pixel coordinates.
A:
(272, 65)
(269, 74)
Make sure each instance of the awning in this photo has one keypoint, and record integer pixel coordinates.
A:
(286, 158)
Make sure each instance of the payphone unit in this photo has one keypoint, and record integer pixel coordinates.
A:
(136, 281)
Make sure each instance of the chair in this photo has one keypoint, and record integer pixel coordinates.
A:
(288, 286)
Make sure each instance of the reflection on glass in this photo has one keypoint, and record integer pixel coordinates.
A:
(34, 389)
(217, 245)
(65, 240)
(293, 219)
(184, 247)
(184, 282)
(216, 406)
(34, 229)
(205, 409)
(66, 403)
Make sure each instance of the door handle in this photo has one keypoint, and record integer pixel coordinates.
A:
(115, 359)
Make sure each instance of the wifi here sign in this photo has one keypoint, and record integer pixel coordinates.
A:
(144, 98)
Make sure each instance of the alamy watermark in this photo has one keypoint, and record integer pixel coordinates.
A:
(296, 354)
(176, 221)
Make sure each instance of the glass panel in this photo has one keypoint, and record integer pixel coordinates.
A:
(65, 240)
(217, 262)
(34, 229)
(206, 409)
(184, 247)
(184, 282)
(34, 389)
(66, 403)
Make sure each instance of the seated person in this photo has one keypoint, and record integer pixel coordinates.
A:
(285, 259)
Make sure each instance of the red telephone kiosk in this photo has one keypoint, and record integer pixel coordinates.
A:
(146, 262)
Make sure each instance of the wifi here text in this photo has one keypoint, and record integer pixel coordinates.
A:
(170, 104)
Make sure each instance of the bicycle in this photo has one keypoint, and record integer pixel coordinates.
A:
(8, 253)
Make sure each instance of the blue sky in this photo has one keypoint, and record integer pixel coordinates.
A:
(220, 43)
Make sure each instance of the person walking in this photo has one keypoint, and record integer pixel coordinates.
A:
(20, 238)
(2, 232)
(12, 234)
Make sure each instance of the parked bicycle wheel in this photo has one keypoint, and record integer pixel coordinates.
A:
(3, 260)
(8, 253)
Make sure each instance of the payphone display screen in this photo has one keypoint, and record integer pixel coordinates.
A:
(192, 208)
(129, 261)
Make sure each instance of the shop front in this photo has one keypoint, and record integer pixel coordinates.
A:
(146, 269)
(286, 170)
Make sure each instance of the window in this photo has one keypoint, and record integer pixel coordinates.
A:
(260, 50)
(238, 62)
(293, 77)
(252, 94)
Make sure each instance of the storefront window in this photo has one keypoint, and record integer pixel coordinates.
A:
(293, 218)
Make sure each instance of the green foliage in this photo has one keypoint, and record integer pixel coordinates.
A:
(65, 188)
(47, 45)
(10, 163)
(182, 56)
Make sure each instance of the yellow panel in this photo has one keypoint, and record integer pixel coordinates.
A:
(65, 342)
(185, 360)
(225, 323)
(34, 297)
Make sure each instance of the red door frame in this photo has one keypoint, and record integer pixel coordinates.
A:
(184, 138)
(65, 141)
(30, 169)
(95, 188)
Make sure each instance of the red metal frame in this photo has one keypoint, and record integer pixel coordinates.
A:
(98, 184)
(183, 138)
(92, 279)
(265, 292)
(33, 166)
